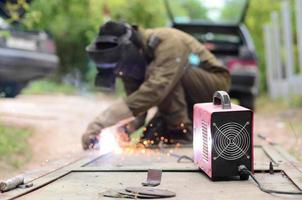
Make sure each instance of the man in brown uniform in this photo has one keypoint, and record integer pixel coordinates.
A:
(161, 67)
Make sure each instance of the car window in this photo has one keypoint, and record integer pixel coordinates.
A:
(210, 11)
(3, 24)
(216, 37)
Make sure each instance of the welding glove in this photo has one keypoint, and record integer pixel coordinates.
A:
(118, 111)
(135, 124)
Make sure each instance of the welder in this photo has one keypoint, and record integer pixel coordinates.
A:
(162, 67)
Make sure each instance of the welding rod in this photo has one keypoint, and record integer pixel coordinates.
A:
(11, 183)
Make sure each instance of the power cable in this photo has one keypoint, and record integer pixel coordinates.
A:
(243, 170)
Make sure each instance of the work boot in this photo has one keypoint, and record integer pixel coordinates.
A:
(157, 132)
(153, 131)
(181, 135)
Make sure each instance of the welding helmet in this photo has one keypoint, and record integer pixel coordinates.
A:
(117, 51)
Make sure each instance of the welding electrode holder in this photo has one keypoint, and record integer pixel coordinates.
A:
(222, 98)
(94, 143)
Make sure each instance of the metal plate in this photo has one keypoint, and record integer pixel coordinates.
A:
(21, 43)
(153, 178)
(189, 185)
(143, 160)
(92, 175)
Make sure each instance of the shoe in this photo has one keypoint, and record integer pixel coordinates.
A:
(156, 132)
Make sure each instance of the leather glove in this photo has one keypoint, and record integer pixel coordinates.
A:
(135, 124)
(118, 111)
(91, 136)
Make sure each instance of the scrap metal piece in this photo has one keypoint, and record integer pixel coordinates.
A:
(115, 194)
(125, 194)
(153, 178)
(136, 195)
(12, 183)
(160, 193)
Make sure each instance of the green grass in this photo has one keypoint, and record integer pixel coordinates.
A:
(264, 103)
(295, 101)
(49, 87)
(14, 145)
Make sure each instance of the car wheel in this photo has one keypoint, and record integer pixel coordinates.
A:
(247, 101)
(12, 90)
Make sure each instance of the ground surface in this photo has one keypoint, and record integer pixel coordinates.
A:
(58, 122)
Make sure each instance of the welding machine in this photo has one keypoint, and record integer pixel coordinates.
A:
(223, 137)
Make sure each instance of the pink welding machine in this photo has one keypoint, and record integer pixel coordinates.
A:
(223, 137)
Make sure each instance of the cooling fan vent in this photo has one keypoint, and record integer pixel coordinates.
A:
(231, 141)
(205, 147)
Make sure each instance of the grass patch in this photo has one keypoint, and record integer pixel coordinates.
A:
(49, 87)
(265, 104)
(295, 101)
(14, 145)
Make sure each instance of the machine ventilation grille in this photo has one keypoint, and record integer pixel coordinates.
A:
(231, 141)
(205, 150)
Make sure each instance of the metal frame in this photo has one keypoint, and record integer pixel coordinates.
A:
(282, 162)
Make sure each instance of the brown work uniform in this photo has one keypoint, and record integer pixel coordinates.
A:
(171, 83)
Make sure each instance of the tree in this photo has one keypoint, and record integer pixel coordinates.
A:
(232, 10)
(70, 22)
(74, 23)
(258, 14)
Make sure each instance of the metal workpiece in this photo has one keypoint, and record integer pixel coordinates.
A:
(11, 183)
(153, 178)
(94, 175)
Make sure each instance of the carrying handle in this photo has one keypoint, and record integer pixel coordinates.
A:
(222, 98)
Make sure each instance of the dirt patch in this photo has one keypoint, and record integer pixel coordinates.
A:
(281, 126)
(57, 122)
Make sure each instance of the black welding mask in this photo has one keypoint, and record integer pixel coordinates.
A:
(116, 52)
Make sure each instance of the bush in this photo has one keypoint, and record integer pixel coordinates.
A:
(13, 145)
(49, 86)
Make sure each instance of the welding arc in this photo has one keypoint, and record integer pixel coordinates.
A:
(231, 141)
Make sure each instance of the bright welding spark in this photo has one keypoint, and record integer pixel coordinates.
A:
(114, 140)
(109, 142)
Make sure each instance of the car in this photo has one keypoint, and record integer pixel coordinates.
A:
(24, 56)
(219, 25)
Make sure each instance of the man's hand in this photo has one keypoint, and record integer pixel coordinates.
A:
(90, 138)
(116, 112)
(90, 142)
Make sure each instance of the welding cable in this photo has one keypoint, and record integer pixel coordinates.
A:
(181, 157)
(184, 157)
(243, 170)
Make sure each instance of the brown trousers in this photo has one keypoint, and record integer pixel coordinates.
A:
(196, 86)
